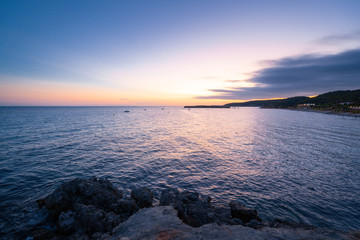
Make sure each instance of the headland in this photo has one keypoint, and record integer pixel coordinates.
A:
(345, 103)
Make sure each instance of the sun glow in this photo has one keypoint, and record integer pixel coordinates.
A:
(35, 92)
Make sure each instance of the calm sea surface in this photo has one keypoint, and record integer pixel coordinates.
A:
(297, 166)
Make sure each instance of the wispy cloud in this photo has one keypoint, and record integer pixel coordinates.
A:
(234, 81)
(210, 77)
(340, 38)
(299, 75)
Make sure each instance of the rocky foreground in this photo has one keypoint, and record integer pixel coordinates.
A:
(94, 209)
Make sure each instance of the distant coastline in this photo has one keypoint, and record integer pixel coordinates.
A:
(344, 103)
(340, 113)
(207, 106)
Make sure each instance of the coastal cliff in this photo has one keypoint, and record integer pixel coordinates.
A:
(94, 209)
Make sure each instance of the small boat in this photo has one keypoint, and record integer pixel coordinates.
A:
(127, 111)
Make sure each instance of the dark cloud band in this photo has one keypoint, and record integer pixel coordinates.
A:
(301, 75)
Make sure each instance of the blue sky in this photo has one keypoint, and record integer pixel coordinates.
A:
(171, 52)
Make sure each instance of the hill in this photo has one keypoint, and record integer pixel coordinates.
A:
(337, 100)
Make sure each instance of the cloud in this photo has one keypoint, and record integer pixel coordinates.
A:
(300, 75)
(209, 77)
(339, 38)
(234, 81)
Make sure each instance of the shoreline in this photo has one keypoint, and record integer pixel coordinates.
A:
(339, 113)
(93, 208)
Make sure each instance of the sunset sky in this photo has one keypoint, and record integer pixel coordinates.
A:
(175, 52)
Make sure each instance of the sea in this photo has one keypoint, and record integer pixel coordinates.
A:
(291, 165)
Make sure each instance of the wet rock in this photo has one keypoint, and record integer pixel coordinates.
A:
(254, 224)
(85, 209)
(42, 234)
(126, 206)
(91, 219)
(238, 210)
(236, 221)
(41, 202)
(278, 223)
(143, 197)
(78, 236)
(192, 196)
(97, 192)
(105, 236)
(100, 236)
(66, 223)
(162, 223)
(111, 221)
(169, 197)
(194, 209)
(86, 206)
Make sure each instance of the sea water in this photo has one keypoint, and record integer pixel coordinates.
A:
(290, 165)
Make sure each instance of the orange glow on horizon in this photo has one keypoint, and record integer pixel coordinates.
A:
(67, 94)
(34, 92)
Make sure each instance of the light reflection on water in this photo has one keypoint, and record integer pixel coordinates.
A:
(290, 165)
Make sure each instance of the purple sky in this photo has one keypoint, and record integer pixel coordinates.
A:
(175, 52)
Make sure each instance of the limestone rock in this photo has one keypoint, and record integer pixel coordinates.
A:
(245, 214)
(163, 223)
(66, 223)
(194, 209)
(92, 191)
(92, 209)
(85, 206)
(143, 197)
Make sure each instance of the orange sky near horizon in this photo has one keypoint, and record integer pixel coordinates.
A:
(60, 94)
(173, 53)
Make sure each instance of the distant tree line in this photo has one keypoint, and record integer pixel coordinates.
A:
(337, 99)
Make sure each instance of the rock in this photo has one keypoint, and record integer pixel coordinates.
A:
(143, 197)
(105, 236)
(92, 191)
(41, 202)
(85, 209)
(193, 196)
(162, 223)
(66, 223)
(148, 222)
(169, 197)
(60, 200)
(42, 234)
(278, 223)
(254, 224)
(78, 236)
(245, 214)
(236, 221)
(194, 209)
(86, 206)
(90, 218)
(96, 235)
(290, 233)
(126, 206)
(111, 221)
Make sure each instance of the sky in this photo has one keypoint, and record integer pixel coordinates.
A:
(175, 53)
